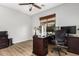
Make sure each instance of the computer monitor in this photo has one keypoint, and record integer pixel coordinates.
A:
(69, 29)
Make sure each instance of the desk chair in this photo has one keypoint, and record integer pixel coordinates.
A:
(60, 41)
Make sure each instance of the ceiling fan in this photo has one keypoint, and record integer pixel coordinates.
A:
(32, 4)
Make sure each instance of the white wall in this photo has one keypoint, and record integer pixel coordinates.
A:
(20, 26)
(66, 15)
(17, 24)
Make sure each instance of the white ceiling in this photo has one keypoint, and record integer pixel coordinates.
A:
(25, 8)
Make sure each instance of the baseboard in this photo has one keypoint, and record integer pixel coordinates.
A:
(21, 41)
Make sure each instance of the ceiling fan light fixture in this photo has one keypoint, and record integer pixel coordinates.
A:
(42, 5)
(30, 9)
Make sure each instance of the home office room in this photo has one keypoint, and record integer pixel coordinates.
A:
(39, 29)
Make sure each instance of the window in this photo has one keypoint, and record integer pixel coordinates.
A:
(47, 24)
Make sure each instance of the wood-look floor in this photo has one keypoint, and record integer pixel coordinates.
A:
(25, 49)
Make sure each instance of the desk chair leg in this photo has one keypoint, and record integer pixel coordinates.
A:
(64, 52)
(59, 53)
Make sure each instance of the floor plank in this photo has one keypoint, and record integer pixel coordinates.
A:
(25, 49)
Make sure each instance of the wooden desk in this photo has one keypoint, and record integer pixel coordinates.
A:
(73, 44)
(40, 46)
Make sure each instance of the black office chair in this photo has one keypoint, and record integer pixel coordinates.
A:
(60, 41)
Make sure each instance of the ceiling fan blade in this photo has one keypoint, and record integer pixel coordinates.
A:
(24, 3)
(36, 6)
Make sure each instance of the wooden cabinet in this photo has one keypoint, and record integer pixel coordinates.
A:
(73, 44)
(4, 41)
(40, 46)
